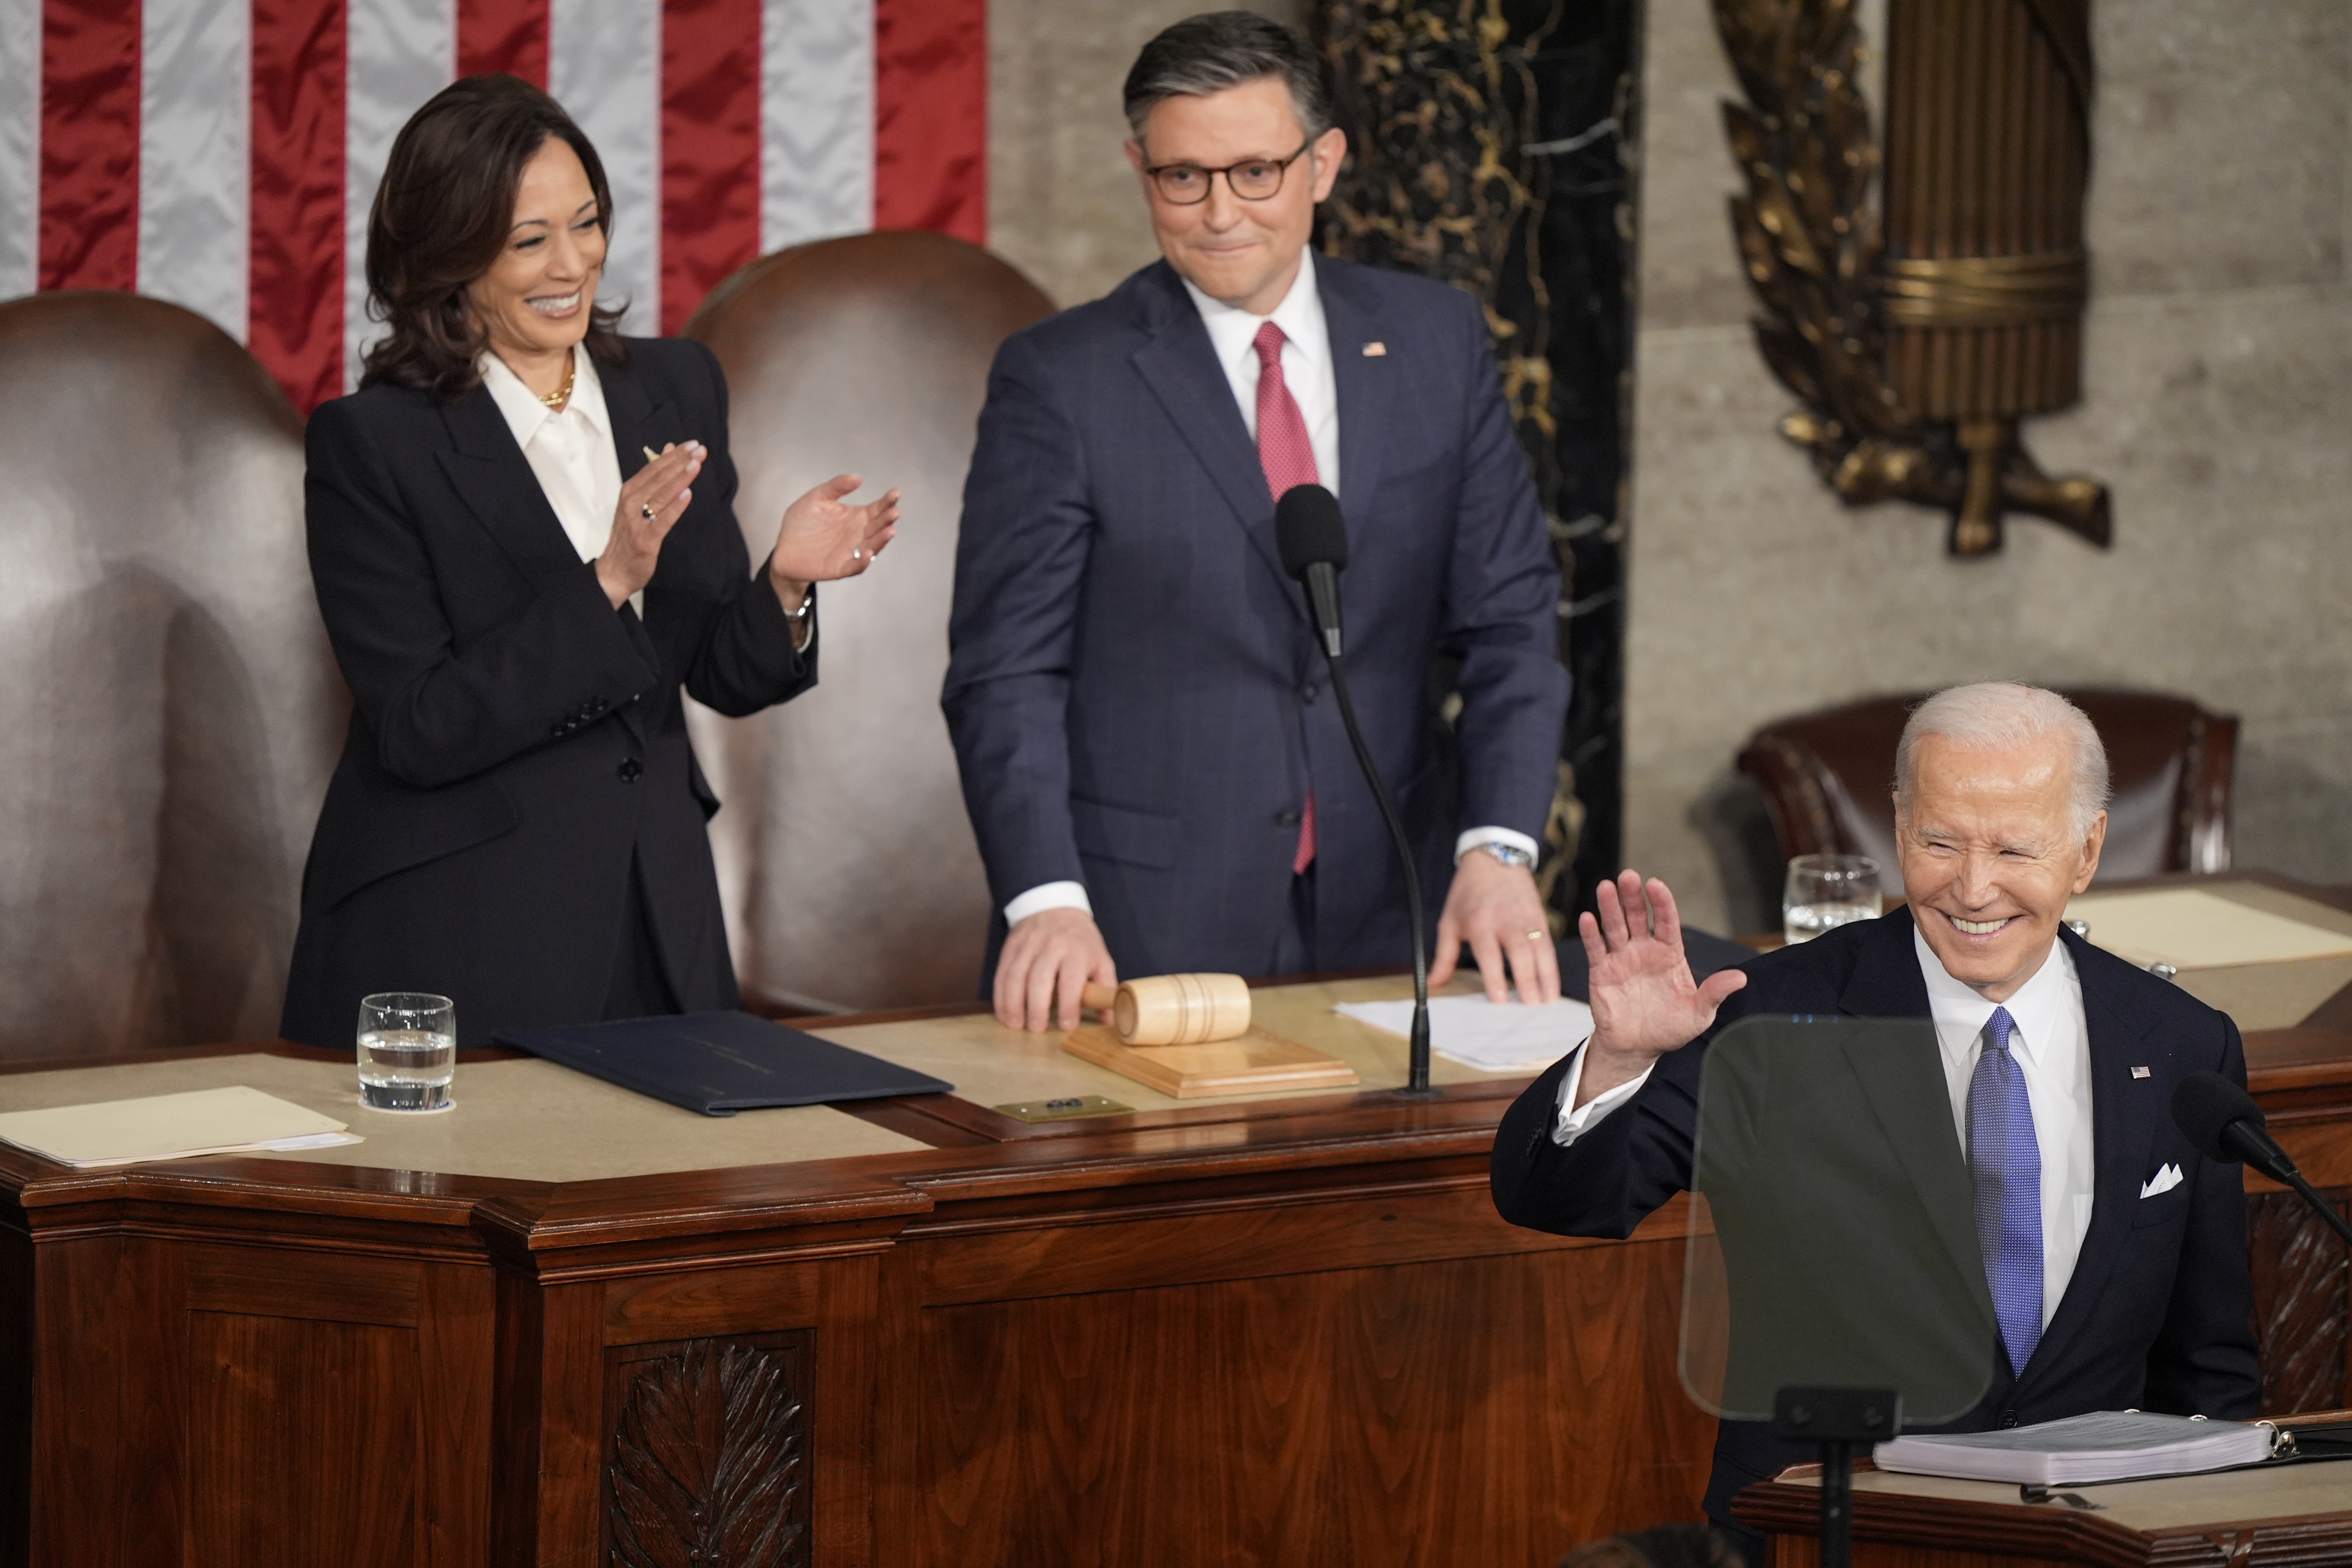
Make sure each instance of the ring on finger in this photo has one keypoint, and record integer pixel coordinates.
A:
(1535, 936)
(857, 555)
(647, 512)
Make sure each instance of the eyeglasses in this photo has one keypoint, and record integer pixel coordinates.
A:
(1252, 179)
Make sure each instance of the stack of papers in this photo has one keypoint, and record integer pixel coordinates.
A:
(2105, 1446)
(1473, 1031)
(234, 1120)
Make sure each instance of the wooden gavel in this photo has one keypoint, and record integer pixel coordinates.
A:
(1175, 1009)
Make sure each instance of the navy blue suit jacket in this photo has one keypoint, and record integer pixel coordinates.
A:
(2159, 1313)
(1134, 691)
(515, 742)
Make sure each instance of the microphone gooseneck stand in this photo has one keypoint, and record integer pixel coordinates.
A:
(1313, 539)
(1417, 1060)
(2225, 1123)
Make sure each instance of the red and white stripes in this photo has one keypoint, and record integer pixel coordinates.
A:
(223, 153)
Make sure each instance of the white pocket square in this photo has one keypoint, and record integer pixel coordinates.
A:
(2164, 1181)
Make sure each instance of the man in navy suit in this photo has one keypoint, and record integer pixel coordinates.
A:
(2113, 1254)
(1155, 775)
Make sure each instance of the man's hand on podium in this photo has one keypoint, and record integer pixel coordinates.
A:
(1048, 959)
(1644, 1001)
(1496, 909)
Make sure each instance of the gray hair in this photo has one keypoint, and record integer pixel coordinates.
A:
(1209, 53)
(1996, 715)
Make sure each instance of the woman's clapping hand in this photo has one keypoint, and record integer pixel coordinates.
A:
(824, 538)
(652, 501)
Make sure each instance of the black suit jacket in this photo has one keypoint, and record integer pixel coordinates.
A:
(2159, 1312)
(514, 740)
(1134, 689)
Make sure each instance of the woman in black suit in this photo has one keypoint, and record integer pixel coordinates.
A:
(523, 537)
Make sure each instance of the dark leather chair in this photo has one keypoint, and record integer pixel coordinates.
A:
(845, 861)
(1827, 780)
(172, 711)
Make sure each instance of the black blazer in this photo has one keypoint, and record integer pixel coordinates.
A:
(514, 740)
(2159, 1313)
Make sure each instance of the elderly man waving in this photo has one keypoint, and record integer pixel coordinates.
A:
(2116, 1292)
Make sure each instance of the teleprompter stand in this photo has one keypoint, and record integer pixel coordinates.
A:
(1838, 1419)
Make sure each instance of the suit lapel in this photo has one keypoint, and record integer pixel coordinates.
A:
(1180, 367)
(1365, 387)
(1886, 983)
(493, 477)
(640, 423)
(496, 480)
(2125, 1120)
(1903, 1077)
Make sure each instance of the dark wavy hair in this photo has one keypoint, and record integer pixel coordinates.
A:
(441, 217)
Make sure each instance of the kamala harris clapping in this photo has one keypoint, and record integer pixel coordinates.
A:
(523, 540)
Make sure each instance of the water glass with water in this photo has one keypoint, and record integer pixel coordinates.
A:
(1826, 890)
(408, 1050)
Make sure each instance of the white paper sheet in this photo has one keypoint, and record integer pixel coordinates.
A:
(230, 1121)
(2190, 928)
(1474, 1032)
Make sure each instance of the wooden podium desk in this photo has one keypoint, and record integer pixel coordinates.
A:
(563, 1324)
(2297, 1516)
(551, 1325)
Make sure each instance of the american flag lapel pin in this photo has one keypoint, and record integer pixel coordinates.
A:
(2139, 1072)
(1376, 350)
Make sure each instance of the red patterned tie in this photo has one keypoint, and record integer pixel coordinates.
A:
(1289, 458)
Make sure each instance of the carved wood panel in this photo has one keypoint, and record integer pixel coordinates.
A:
(707, 1453)
(2301, 1288)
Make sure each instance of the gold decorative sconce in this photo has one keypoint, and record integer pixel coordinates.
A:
(1918, 340)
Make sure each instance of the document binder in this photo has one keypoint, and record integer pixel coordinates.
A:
(721, 1063)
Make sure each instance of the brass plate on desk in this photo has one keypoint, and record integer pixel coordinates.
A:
(1255, 1063)
(1061, 1109)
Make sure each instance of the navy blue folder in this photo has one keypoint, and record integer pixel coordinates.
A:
(721, 1063)
(1706, 952)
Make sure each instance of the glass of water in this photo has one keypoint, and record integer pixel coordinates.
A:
(408, 1050)
(1825, 890)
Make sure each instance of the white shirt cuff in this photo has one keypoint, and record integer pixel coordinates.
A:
(1503, 836)
(1048, 896)
(1573, 1123)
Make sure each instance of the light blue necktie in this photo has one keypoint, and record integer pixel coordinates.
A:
(2005, 1162)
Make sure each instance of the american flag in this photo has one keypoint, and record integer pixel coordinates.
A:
(222, 154)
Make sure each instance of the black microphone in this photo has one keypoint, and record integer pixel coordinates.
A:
(1313, 540)
(2225, 1123)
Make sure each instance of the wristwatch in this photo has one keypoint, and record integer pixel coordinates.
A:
(1508, 854)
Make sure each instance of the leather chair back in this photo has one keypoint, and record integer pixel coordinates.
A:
(845, 860)
(1829, 778)
(174, 712)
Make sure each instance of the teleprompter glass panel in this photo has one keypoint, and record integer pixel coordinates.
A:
(1833, 1242)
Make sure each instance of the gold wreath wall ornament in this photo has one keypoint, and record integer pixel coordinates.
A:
(1916, 340)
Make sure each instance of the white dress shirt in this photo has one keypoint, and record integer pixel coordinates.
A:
(1306, 362)
(1306, 373)
(2051, 1042)
(571, 452)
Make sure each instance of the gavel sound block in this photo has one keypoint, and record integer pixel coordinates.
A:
(1190, 1035)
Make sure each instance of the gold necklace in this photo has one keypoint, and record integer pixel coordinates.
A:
(562, 394)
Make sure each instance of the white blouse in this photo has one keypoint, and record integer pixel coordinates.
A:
(571, 452)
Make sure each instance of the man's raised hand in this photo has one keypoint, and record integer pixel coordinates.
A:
(1644, 1000)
